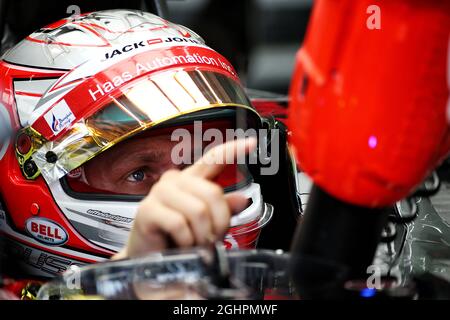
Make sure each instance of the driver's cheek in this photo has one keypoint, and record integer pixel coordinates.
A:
(141, 188)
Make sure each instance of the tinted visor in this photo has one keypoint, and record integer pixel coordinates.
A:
(148, 102)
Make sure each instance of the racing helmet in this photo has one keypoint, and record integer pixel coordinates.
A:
(78, 89)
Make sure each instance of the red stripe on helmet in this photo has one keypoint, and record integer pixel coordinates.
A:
(83, 103)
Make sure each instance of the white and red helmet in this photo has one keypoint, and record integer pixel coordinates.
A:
(78, 87)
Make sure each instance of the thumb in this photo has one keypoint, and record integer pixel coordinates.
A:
(236, 202)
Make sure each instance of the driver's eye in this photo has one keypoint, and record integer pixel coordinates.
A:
(137, 176)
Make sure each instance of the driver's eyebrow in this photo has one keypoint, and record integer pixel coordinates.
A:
(151, 156)
(140, 157)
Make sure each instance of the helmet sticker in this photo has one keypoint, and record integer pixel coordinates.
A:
(149, 42)
(75, 173)
(46, 231)
(59, 117)
(146, 63)
(37, 262)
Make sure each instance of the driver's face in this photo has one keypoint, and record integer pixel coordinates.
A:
(131, 167)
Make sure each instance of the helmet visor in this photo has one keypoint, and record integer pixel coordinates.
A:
(147, 102)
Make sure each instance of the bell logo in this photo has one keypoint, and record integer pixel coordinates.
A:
(46, 231)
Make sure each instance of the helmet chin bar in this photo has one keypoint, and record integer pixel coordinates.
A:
(106, 223)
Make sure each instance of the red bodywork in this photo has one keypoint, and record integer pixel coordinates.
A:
(368, 106)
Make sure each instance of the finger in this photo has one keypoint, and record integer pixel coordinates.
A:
(214, 161)
(212, 194)
(195, 210)
(153, 219)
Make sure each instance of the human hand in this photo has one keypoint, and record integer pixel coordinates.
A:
(185, 208)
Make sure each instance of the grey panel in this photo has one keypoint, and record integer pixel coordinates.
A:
(48, 57)
(33, 85)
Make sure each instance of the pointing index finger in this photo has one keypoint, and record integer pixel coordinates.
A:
(214, 161)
